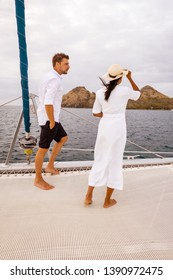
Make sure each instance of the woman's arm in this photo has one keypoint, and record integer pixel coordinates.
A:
(100, 115)
(134, 86)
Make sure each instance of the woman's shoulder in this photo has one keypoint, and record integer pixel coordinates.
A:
(100, 91)
(123, 88)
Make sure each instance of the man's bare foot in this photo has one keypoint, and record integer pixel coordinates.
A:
(41, 184)
(53, 171)
(109, 203)
(88, 200)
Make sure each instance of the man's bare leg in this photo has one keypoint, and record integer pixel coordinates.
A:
(55, 151)
(108, 201)
(39, 181)
(88, 197)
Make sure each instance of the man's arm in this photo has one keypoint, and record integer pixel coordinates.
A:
(50, 114)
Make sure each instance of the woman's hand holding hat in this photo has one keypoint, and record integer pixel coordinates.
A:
(129, 74)
(134, 86)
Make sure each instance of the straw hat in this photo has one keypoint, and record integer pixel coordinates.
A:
(114, 72)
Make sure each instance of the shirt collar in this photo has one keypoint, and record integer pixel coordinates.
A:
(56, 73)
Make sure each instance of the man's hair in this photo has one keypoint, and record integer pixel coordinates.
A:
(58, 57)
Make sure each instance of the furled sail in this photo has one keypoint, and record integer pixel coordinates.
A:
(27, 143)
(20, 18)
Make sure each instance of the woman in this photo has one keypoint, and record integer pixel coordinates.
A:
(110, 105)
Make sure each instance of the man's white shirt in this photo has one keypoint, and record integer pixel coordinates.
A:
(50, 93)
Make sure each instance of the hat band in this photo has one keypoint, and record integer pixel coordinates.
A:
(114, 76)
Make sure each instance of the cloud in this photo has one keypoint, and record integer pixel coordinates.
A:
(136, 34)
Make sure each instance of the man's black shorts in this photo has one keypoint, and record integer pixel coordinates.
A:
(47, 135)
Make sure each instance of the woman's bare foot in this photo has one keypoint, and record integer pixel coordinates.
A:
(53, 171)
(88, 200)
(109, 203)
(41, 184)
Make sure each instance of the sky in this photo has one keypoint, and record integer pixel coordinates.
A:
(138, 35)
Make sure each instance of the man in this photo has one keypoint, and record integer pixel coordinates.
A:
(50, 99)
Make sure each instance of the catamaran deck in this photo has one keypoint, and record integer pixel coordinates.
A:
(55, 224)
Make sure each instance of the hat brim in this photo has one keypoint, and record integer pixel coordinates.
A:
(107, 77)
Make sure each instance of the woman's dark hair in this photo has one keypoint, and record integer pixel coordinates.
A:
(109, 87)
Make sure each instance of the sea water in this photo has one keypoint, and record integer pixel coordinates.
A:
(151, 129)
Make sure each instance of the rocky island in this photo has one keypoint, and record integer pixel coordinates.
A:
(80, 97)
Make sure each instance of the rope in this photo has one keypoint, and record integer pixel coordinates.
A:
(144, 149)
(127, 140)
(130, 152)
(9, 101)
(77, 149)
(20, 19)
(88, 121)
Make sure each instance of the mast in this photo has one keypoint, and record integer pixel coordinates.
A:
(20, 19)
(27, 143)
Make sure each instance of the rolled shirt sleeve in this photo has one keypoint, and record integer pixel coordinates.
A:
(133, 94)
(51, 90)
(97, 108)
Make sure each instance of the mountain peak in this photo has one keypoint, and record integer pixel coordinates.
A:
(150, 98)
(150, 92)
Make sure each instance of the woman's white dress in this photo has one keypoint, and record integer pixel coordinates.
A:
(111, 137)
